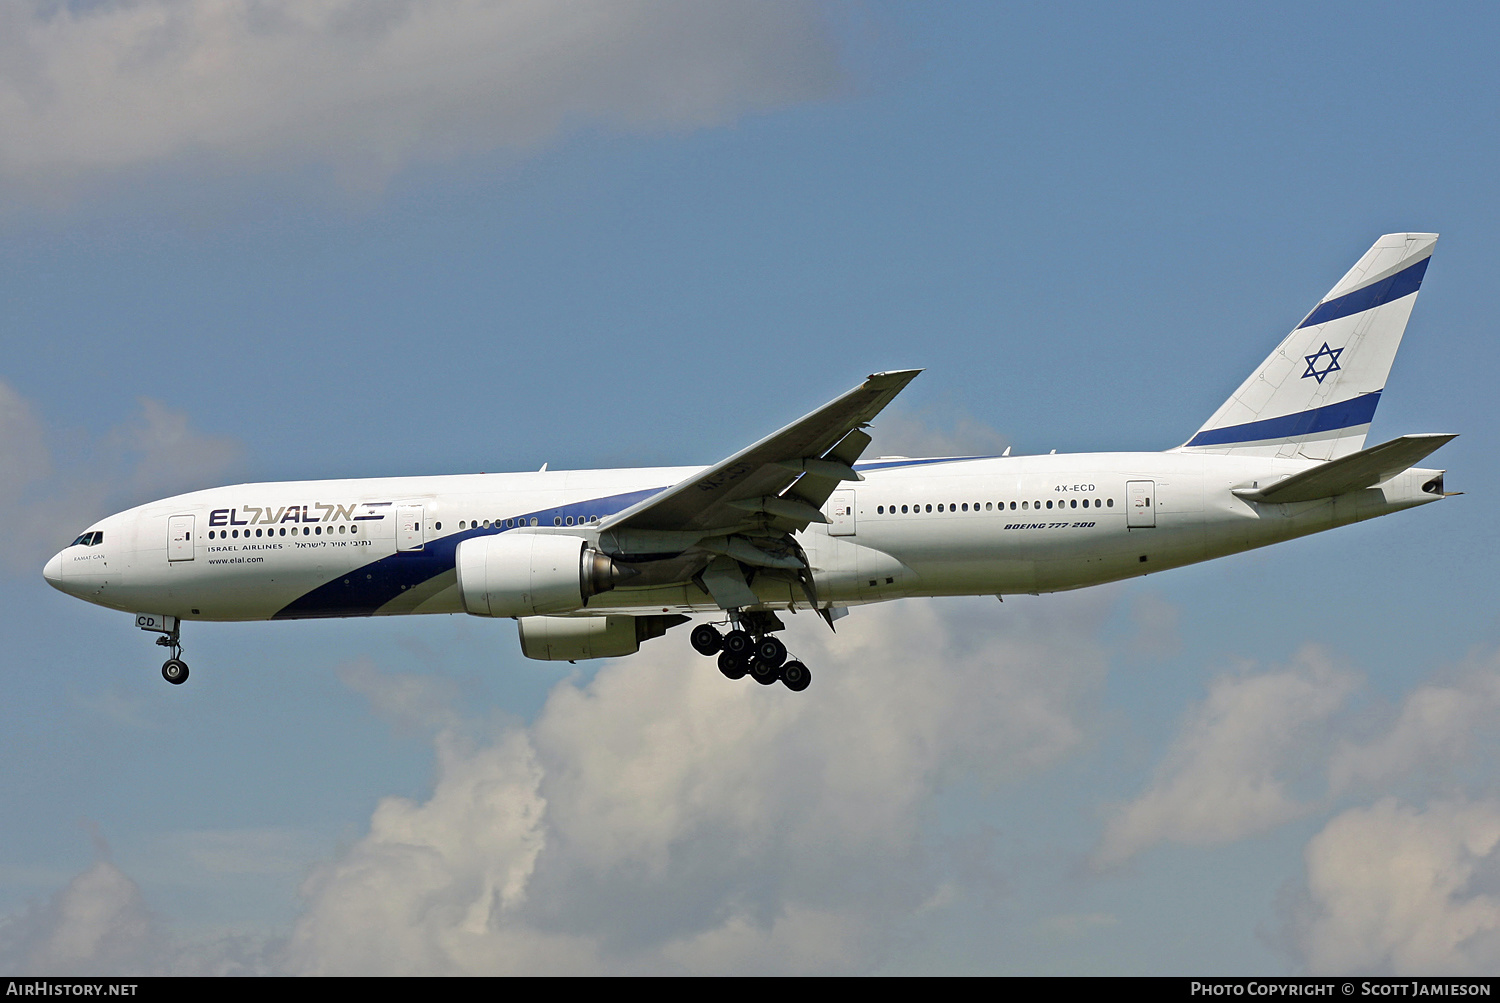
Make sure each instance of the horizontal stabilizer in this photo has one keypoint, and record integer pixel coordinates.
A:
(1363, 469)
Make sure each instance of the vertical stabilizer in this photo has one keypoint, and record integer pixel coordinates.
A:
(1315, 395)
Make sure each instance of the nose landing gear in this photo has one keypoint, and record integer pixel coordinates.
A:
(174, 670)
(751, 652)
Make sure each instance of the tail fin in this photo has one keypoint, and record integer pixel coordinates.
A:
(1315, 395)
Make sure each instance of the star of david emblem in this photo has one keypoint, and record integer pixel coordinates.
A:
(1331, 354)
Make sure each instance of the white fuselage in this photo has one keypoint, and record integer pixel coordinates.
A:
(987, 526)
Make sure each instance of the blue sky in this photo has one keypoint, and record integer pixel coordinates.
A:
(289, 240)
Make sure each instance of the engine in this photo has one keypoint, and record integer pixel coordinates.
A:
(524, 574)
(572, 638)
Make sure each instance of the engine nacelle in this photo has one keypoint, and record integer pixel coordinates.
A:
(573, 638)
(524, 574)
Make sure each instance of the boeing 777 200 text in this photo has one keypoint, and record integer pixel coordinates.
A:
(592, 563)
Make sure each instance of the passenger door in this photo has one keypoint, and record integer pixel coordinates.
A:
(180, 545)
(410, 534)
(1140, 508)
(841, 513)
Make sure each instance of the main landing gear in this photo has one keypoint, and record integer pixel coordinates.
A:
(762, 657)
(174, 670)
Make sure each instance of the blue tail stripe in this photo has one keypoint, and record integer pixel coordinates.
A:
(1330, 417)
(1387, 290)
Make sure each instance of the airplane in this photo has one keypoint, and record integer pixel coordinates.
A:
(590, 564)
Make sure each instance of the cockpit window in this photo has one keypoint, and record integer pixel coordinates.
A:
(92, 539)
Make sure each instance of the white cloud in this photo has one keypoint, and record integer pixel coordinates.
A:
(1073, 925)
(159, 454)
(927, 433)
(413, 703)
(45, 498)
(98, 924)
(422, 893)
(1155, 621)
(663, 819)
(23, 453)
(268, 851)
(1391, 888)
(1437, 728)
(1226, 774)
(366, 86)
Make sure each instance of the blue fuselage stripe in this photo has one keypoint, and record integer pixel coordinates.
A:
(1387, 290)
(1330, 417)
(887, 464)
(363, 591)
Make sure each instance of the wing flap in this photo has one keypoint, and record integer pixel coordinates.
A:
(1363, 469)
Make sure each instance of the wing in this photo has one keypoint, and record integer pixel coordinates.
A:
(784, 478)
(738, 515)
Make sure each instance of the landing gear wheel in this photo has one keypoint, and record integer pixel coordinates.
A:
(732, 667)
(771, 651)
(707, 640)
(174, 671)
(764, 673)
(795, 675)
(738, 643)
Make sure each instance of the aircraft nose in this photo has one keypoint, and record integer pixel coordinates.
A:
(53, 571)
